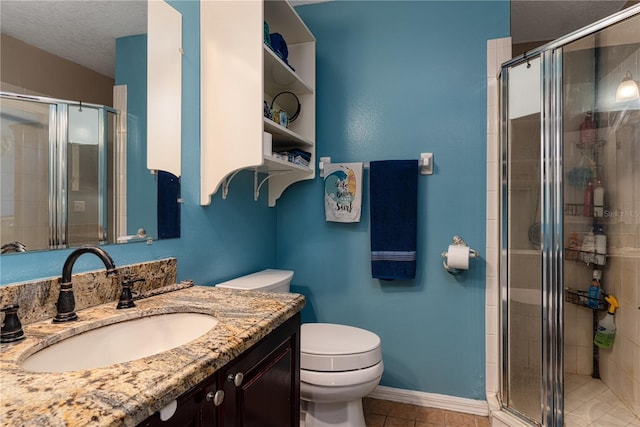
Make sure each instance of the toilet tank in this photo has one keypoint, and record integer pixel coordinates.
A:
(270, 280)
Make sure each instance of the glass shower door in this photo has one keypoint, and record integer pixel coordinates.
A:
(26, 145)
(521, 237)
(59, 169)
(570, 209)
(601, 169)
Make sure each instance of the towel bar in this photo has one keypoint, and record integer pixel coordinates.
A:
(425, 163)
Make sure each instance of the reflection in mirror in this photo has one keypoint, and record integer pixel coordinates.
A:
(35, 131)
(89, 51)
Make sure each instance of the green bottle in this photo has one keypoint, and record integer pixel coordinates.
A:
(606, 331)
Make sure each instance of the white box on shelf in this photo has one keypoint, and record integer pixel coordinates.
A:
(267, 144)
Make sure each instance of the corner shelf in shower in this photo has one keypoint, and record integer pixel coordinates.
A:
(582, 298)
(584, 256)
(576, 210)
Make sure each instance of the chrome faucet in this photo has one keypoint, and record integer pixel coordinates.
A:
(66, 304)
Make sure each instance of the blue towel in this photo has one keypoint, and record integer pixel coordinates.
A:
(393, 188)
(168, 206)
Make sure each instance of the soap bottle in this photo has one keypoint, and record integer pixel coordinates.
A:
(588, 130)
(606, 332)
(587, 205)
(600, 242)
(598, 197)
(595, 289)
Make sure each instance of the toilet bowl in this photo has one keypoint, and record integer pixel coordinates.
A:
(339, 364)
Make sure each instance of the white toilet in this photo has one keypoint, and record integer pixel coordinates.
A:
(339, 364)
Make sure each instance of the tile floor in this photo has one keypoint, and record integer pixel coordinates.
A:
(590, 403)
(384, 413)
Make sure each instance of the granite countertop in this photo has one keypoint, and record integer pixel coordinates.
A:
(127, 393)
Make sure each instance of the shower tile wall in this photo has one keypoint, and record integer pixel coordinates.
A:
(498, 51)
(620, 366)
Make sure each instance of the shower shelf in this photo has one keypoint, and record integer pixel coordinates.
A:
(586, 257)
(582, 298)
(574, 209)
(577, 209)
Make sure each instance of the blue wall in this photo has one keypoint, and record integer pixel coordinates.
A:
(395, 79)
(220, 241)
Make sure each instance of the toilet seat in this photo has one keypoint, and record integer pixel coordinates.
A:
(342, 379)
(326, 347)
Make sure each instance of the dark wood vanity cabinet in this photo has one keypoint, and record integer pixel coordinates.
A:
(194, 409)
(261, 388)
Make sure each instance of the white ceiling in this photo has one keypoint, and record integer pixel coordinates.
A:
(84, 31)
(543, 20)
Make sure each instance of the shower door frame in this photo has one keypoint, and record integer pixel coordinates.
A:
(552, 216)
(58, 163)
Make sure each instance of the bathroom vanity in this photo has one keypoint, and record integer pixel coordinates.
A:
(242, 372)
(261, 387)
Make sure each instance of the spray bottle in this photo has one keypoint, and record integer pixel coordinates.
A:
(606, 331)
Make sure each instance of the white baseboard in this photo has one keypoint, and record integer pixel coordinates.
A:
(432, 400)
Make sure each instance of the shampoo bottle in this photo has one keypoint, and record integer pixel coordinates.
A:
(600, 245)
(588, 129)
(598, 197)
(606, 331)
(587, 204)
(594, 289)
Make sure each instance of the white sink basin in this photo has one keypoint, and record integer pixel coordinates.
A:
(120, 342)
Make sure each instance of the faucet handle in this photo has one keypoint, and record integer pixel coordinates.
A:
(11, 326)
(126, 298)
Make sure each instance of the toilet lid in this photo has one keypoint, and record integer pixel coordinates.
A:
(264, 280)
(334, 348)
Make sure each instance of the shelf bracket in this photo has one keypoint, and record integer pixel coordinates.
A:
(257, 186)
(226, 182)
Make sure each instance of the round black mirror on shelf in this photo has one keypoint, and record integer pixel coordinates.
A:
(289, 102)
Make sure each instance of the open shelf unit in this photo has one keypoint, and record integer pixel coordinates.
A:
(239, 73)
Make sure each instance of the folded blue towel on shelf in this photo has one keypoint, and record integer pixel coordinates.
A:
(393, 194)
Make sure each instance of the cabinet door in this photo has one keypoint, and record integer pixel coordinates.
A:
(268, 395)
(195, 408)
(231, 99)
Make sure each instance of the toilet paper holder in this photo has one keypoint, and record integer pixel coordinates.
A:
(457, 241)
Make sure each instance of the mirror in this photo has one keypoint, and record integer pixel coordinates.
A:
(93, 55)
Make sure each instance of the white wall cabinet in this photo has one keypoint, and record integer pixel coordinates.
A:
(164, 88)
(238, 73)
